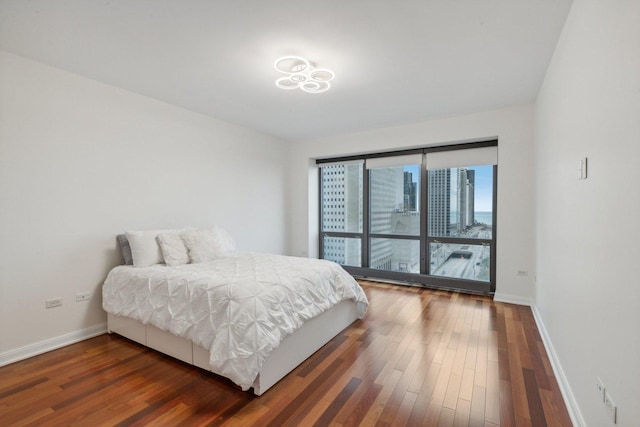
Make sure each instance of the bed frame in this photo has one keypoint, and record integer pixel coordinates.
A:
(292, 351)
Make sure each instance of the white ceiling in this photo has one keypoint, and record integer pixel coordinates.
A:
(396, 61)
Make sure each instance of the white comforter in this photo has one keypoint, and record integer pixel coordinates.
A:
(239, 307)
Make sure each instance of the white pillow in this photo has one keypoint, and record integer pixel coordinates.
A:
(145, 250)
(226, 242)
(208, 245)
(173, 248)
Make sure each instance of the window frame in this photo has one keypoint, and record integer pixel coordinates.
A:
(424, 278)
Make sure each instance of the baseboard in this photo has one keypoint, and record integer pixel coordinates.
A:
(31, 350)
(569, 399)
(512, 299)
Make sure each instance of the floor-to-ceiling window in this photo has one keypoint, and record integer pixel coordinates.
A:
(421, 216)
(460, 244)
(394, 213)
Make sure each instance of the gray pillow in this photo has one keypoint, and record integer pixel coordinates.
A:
(125, 249)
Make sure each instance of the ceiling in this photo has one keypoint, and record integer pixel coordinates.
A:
(395, 62)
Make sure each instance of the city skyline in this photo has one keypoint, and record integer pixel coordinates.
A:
(483, 185)
(394, 209)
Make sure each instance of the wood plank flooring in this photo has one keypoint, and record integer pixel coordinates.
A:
(419, 358)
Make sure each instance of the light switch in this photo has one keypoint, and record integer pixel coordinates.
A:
(583, 168)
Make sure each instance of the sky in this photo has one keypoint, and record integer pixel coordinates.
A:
(483, 188)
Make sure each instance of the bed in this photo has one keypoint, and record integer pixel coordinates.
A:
(248, 317)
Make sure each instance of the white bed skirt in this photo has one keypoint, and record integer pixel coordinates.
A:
(292, 351)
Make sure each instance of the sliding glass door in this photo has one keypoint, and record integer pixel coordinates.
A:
(423, 216)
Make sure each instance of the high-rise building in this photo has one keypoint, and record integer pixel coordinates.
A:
(471, 184)
(342, 211)
(439, 202)
(466, 179)
(386, 197)
(462, 201)
(450, 201)
(410, 193)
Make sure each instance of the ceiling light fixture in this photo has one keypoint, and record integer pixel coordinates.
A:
(301, 74)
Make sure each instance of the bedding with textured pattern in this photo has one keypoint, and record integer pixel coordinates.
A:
(239, 307)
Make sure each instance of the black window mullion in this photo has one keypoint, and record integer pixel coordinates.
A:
(494, 227)
(393, 236)
(365, 217)
(320, 235)
(346, 234)
(459, 240)
(424, 196)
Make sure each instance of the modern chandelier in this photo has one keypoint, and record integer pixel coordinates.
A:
(301, 74)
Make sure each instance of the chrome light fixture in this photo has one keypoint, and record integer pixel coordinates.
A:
(301, 74)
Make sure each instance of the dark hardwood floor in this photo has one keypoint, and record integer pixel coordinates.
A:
(420, 357)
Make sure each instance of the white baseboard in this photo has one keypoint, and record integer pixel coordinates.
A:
(512, 299)
(569, 399)
(51, 344)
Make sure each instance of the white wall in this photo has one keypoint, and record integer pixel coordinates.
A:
(514, 129)
(588, 238)
(81, 161)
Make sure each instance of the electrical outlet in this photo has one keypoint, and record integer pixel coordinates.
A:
(611, 406)
(600, 388)
(53, 302)
(523, 273)
(84, 296)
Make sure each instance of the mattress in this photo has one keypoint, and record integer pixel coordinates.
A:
(240, 307)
